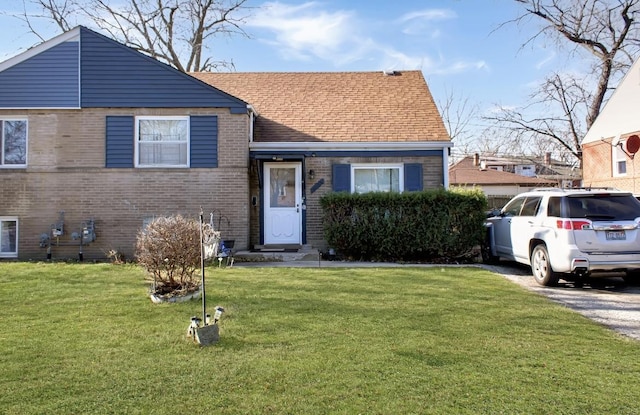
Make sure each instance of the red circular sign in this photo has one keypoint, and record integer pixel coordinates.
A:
(633, 144)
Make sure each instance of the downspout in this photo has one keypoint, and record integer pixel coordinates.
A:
(252, 117)
(445, 167)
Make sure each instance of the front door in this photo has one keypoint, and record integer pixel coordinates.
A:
(282, 203)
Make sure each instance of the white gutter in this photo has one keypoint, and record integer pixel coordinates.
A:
(352, 145)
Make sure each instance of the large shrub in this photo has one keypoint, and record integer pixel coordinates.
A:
(169, 249)
(423, 226)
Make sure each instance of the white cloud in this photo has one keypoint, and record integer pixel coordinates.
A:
(304, 31)
(421, 22)
(309, 32)
(428, 14)
(457, 67)
(548, 59)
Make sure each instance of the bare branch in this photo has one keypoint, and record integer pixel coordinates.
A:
(178, 32)
(609, 34)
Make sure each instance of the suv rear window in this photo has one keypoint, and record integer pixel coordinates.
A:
(604, 207)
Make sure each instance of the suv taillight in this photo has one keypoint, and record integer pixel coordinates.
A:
(575, 225)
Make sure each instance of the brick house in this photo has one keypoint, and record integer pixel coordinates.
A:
(97, 139)
(498, 185)
(609, 147)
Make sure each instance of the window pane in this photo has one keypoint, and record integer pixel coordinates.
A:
(530, 207)
(15, 142)
(513, 207)
(167, 154)
(376, 180)
(8, 233)
(163, 130)
(554, 207)
(622, 167)
(283, 182)
(163, 142)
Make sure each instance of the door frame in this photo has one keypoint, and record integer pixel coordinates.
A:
(298, 165)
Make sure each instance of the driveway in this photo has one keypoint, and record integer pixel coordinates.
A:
(608, 301)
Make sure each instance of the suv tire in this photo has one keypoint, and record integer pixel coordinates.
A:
(541, 267)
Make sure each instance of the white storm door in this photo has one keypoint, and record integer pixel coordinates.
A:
(283, 203)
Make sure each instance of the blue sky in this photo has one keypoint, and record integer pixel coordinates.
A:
(458, 44)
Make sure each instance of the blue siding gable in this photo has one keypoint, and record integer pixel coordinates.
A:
(114, 75)
(49, 79)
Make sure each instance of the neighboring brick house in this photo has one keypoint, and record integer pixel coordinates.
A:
(96, 136)
(498, 185)
(608, 148)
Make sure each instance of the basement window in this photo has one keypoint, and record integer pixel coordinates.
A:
(8, 237)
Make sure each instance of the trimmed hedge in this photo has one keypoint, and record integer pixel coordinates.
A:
(413, 226)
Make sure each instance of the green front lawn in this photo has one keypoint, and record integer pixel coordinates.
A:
(86, 339)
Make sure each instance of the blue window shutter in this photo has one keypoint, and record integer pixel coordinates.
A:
(413, 177)
(204, 140)
(120, 139)
(342, 178)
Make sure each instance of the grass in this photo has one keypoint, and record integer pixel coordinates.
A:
(86, 339)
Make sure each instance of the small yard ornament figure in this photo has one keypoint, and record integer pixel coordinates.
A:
(191, 330)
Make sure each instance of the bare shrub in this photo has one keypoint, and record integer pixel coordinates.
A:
(169, 249)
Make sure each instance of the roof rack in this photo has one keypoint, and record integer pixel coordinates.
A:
(593, 188)
(546, 189)
(564, 189)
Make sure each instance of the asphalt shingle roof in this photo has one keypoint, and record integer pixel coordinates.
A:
(466, 173)
(336, 106)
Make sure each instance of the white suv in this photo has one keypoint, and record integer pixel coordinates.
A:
(568, 233)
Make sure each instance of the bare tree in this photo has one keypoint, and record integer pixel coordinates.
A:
(457, 113)
(566, 105)
(177, 32)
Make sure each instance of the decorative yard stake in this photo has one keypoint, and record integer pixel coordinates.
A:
(208, 333)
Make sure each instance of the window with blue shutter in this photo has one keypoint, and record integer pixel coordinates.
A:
(413, 177)
(341, 178)
(204, 141)
(119, 145)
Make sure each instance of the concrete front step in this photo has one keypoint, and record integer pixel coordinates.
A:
(269, 253)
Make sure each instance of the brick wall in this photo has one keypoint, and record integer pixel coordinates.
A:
(322, 166)
(66, 159)
(597, 168)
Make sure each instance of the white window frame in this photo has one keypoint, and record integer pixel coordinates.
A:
(26, 144)
(617, 158)
(385, 166)
(9, 219)
(161, 118)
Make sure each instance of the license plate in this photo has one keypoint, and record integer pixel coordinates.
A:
(616, 236)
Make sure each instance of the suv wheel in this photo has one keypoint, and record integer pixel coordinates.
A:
(541, 267)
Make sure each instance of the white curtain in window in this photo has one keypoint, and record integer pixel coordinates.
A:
(163, 142)
(376, 180)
